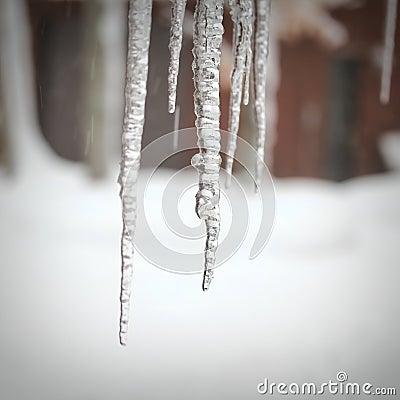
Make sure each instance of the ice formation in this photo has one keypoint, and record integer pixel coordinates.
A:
(242, 17)
(139, 25)
(261, 38)
(390, 30)
(207, 40)
(175, 45)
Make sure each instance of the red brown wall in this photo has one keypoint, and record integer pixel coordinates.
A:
(304, 95)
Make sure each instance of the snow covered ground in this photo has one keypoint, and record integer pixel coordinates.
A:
(323, 296)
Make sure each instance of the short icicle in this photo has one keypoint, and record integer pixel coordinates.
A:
(242, 17)
(207, 40)
(261, 41)
(139, 25)
(175, 45)
(387, 65)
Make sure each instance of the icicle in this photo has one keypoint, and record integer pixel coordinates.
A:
(262, 11)
(135, 97)
(242, 17)
(176, 127)
(390, 29)
(248, 11)
(175, 45)
(249, 58)
(207, 40)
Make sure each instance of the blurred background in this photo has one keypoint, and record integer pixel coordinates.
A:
(324, 72)
(322, 297)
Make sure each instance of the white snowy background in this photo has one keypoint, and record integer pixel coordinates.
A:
(323, 296)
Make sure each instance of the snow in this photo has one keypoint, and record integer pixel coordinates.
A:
(322, 297)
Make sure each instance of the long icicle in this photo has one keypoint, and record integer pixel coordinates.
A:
(390, 30)
(207, 40)
(175, 45)
(262, 12)
(242, 17)
(135, 98)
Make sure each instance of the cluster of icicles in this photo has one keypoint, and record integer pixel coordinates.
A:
(250, 49)
(248, 16)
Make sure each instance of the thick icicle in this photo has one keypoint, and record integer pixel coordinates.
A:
(175, 45)
(207, 40)
(262, 12)
(390, 30)
(242, 17)
(135, 98)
